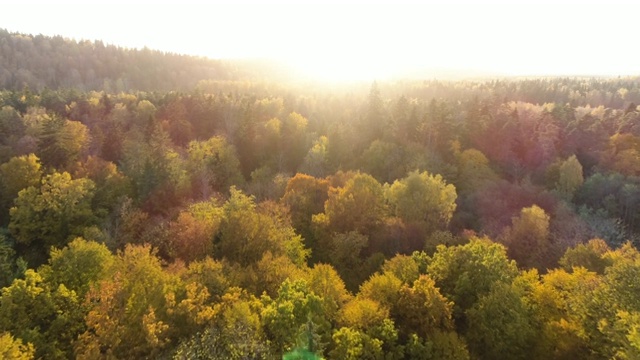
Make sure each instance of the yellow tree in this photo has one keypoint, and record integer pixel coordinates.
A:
(528, 237)
(623, 154)
(473, 170)
(72, 140)
(18, 173)
(127, 315)
(325, 282)
(383, 288)
(422, 310)
(14, 349)
(357, 206)
(570, 177)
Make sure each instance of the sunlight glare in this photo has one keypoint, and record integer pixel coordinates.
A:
(340, 69)
(339, 42)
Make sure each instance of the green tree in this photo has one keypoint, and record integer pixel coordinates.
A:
(423, 199)
(155, 168)
(366, 331)
(404, 267)
(473, 171)
(52, 214)
(294, 141)
(247, 232)
(619, 277)
(573, 310)
(628, 327)
(18, 173)
(501, 325)
(111, 184)
(351, 344)
(284, 316)
(375, 122)
(316, 162)
(61, 141)
(623, 154)
(384, 160)
(48, 317)
(12, 127)
(608, 306)
(214, 166)
(77, 266)
(589, 256)
(270, 272)
(305, 196)
(11, 267)
(362, 314)
(404, 119)
(464, 273)
(211, 274)
(346, 255)
(440, 345)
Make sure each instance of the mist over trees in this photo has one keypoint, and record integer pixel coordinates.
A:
(167, 207)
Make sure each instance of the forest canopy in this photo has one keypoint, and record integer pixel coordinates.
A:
(156, 205)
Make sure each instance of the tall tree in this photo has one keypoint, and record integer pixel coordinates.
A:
(570, 177)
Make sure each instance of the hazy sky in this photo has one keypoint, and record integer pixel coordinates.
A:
(358, 39)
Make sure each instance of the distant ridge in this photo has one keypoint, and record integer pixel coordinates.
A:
(55, 62)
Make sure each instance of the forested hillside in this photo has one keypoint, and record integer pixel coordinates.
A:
(55, 62)
(247, 219)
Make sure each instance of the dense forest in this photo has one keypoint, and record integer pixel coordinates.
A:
(249, 219)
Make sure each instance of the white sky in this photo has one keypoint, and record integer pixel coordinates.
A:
(360, 39)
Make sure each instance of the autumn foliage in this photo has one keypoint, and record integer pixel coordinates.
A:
(248, 219)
